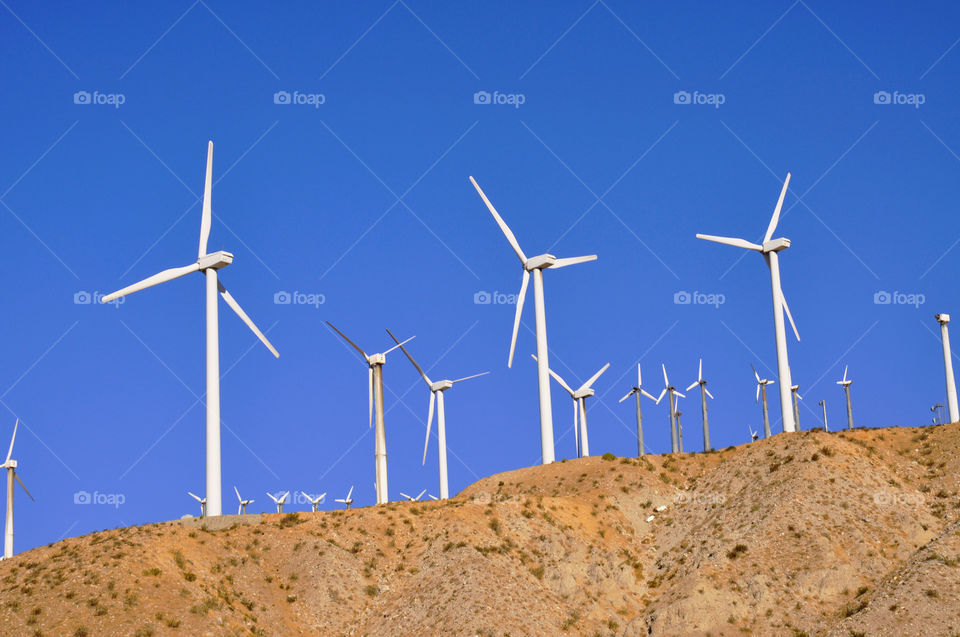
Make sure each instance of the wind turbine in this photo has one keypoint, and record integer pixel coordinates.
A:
(242, 508)
(11, 467)
(203, 504)
(580, 408)
(704, 392)
(770, 249)
(762, 390)
(347, 501)
(794, 390)
(279, 501)
(314, 502)
(952, 408)
(436, 395)
(536, 265)
(375, 364)
(846, 389)
(667, 387)
(823, 405)
(637, 390)
(754, 436)
(208, 264)
(411, 498)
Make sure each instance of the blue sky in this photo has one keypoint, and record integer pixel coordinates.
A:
(363, 201)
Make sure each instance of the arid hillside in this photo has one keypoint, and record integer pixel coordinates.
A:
(840, 534)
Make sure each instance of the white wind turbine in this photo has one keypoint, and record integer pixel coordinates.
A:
(667, 387)
(242, 507)
(208, 264)
(770, 249)
(347, 501)
(536, 265)
(762, 391)
(952, 409)
(375, 364)
(11, 466)
(637, 390)
(436, 395)
(795, 391)
(579, 397)
(754, 436)
(411, 498)
(202, 501)
(704, 392)
(279, 501)
(314, 502)
(846, 389)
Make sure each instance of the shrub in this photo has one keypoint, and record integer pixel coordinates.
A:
(736, 551)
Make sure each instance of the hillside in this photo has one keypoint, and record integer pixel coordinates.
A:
(839, 534)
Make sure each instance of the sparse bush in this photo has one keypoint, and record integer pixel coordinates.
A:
(736, 551)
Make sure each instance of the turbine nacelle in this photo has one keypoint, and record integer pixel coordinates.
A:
(215, 260)
(441, 385)
(583, 393)
(376, 359)
(539, 262)
(775, 245)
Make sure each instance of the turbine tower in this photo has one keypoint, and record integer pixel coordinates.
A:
(536, 265)
(794, 390)
(347, 501)
(952, 408)
(667, 387)
(279, 501)
(11, 466)
(314, 502)
(823, 405)
(208, 264)
(846, 389)
(579, 397)
(637, 390)
(436, 395)
(203, 503)
(375, 364)
(770, 249)
(704, 392)
(242, 508)
(762, 391)
(677, 414)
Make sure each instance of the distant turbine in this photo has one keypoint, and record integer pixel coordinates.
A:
(753, 434)
(823, 405)
(314, 502)
(580, 408)
(846, 389)
(637, 390)
(11, 467)
(794, 389)
(411, 498)
(242, 506)
(667, 387)
(432, 497)
(208, 264)
(436, 394)
(347, 501)
(375, 364)
(203, 504)
(704, 392)
(762, 390)
(954, 412)
(279, 501)
(770, 249)
(536, 265)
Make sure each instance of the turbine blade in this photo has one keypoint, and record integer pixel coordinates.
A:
(648, 395)
(350, 493)
(666, 383)
(12, 438)
(500, 222)
(207, 212)
(708, 392)
(776, 213)
(660, 397)
(758, 392)
(594, 378)
(576, 425)
(639, 380)
(786, 308)
(405, 496)
(629, 394)
(469, 377)
(556, 377)
(156, 279)
(232, 302)
(519, 312)
(755, 374)
(562, 263)
(404, 350)
(692, 386)
(195, 497)
(344, 337)
(370, 395)
(700, 371)
(731, 241)
(426, 441)
(238, 494)
(400, 344)
(22, 484)
(678, 394)
(421, 494)
(845, 368)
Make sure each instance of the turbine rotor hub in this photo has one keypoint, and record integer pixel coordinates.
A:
(776, 245)
(215, 260)
(539, 262)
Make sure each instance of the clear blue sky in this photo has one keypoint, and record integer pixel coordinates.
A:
(597, 159)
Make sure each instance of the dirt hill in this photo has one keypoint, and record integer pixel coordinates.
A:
(839, 534)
